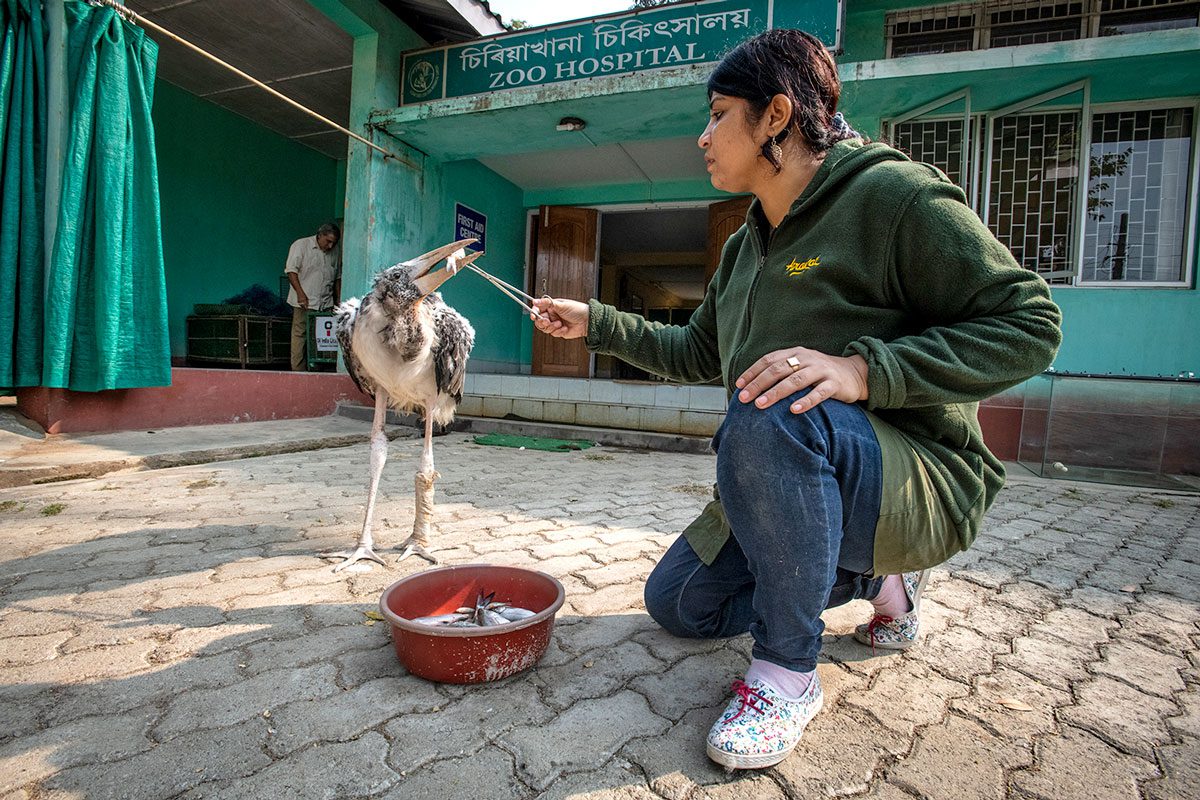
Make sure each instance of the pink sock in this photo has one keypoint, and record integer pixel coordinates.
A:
(892, 601)
(789, 683)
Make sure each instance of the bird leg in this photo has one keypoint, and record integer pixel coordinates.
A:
(423, 513)
(365, 549)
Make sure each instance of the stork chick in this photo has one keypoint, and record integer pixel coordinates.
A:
(406, 348)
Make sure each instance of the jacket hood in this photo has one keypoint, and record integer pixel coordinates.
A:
(844, 160)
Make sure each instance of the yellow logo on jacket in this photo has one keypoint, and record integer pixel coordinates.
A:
(796, 267)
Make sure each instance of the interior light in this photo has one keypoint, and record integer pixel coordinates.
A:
(570, 124)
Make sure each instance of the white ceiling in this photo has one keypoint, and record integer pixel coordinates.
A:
(653, 160)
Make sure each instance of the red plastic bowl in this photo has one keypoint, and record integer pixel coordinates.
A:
(470, 655)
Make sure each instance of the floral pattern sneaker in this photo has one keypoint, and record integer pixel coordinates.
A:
(899, 633)
(760, 727)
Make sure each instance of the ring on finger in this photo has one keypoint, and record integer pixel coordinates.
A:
(794, 363)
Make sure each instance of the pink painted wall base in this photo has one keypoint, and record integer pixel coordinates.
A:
(195, 397)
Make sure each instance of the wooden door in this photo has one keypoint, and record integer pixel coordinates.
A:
(724, 219)
(565, 267)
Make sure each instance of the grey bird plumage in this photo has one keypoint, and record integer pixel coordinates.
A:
(405, 347)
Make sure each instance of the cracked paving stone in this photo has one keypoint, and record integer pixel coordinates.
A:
(343, 716)
(623, 572)
(231, 635)
(322, 772)
(1188, 724)
(1075, 626)
(675, 763)
(1181, 773)
(1155, 631)
(595, 674)
(102, 663)
(28, 650)
(463, 725)
(85, 741)
(959, 652)
(1051, 661)
(1176, 609)
(907, 697)
(1121, 715)
(215, 708)
(838, 754)
(609, 600)
(463, 778)
(617, 780)
(744, 787)
(1098, 601)
(22, 709)
(957, 759)
(1149, 670)
(984, 704)
(172, 767)
(699, 681)
(572, 741)
(158, 686)
(323, 645)
(592, 633)
(1079, 766)
(1027, 597)
(671, 648)
(359, 666)
(20, 622)
(995, 620)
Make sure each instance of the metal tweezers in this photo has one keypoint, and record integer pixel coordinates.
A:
(509, 290)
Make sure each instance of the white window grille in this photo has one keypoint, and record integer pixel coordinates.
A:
(1126, 219)
(1138, 196)
(1034, 181)
(1010, 23)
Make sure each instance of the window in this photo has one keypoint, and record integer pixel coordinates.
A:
(1035, 23)
(936, 142)
(1033, 187)
(1010, 23)
(1136, 226)
(1138, 16)
(1137, 196)
(947, 29)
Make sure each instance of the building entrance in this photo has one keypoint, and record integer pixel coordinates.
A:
(653, 261)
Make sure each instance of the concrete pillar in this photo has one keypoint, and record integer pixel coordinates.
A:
(383, 197)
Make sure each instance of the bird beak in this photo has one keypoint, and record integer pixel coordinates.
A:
(428, 282)
(421, 264)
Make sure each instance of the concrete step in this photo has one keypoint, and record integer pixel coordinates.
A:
(609, 437)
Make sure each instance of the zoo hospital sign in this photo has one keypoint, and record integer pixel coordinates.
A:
(675, 35)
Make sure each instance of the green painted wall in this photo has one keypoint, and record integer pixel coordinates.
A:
(1129, 331)
(234, 196)
(503, 332)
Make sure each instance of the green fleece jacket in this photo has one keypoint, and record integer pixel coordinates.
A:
(879, 256)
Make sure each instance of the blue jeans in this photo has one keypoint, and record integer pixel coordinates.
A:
(801, 493)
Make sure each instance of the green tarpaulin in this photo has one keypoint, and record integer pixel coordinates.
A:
(22, 195)
(101, 320)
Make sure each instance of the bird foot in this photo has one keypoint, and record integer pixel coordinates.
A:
(353, 557)
(414, 549)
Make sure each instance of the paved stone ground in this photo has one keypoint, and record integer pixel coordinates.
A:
(170, 634)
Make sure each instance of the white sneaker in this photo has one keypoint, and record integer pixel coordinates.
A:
(899, 633)
(760, 727)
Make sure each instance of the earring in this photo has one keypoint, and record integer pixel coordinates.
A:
(776, 151)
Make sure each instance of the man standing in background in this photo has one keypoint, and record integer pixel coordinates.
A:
(314, 269)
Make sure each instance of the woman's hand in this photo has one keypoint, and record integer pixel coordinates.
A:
(566, 319)
(784, 372)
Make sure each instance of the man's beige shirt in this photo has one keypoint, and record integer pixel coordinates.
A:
(317, 272)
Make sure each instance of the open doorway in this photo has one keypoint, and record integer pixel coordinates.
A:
(652, 262)
(656, 262)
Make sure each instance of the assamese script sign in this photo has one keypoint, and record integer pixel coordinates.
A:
(668, 36)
